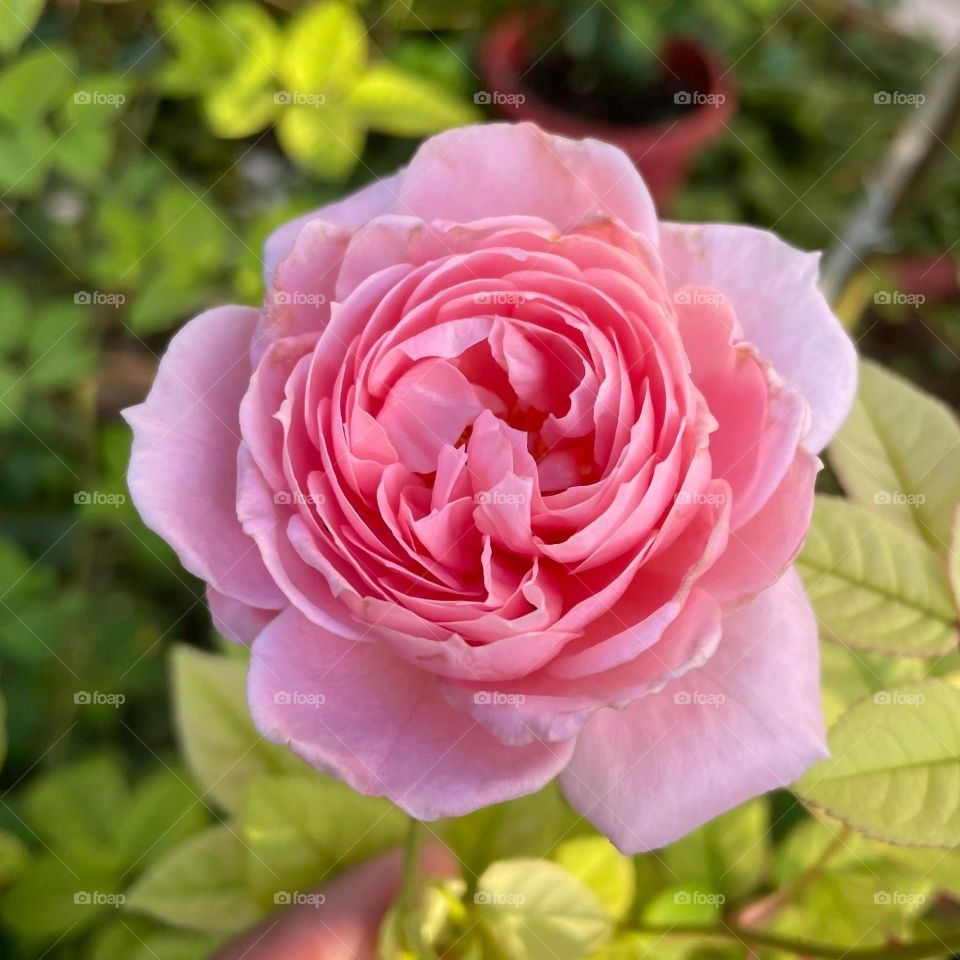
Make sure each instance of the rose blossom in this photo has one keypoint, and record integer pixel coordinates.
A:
(499, 453)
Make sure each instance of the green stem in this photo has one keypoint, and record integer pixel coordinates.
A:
(763, 911)
(950, 943)
(411, 865)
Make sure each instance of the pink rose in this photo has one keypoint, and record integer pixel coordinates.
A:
(499, 452)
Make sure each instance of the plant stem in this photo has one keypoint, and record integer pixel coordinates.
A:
(762, 911)
(808, 948)
(411, 868)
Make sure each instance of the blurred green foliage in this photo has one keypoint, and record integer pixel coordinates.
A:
(146, 151)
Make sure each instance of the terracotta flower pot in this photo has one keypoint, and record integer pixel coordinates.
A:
(662, 151)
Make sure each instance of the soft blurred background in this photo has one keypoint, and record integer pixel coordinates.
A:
(146, 150)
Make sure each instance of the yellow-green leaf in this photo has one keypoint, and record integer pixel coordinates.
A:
(729, 854)
(898, 454)
(199, 885)
(17, 20)
(325, 50)
(536, 910)
(597, 863)
(324, 140)
(874, 585)
(301, 830)
(894, 772)
(393, 101)
(222, 749)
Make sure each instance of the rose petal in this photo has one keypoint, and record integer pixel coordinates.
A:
(773, 290)
(183, 466)
(384, 727)
(502, 169)
(747, 721)
(374, 199)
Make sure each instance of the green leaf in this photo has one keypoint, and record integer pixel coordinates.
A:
(526, 827)
(325, 140)
(199, 885)
(597, 863)
(204, 52)
(163, 301)
(26, 155)
(83, 153)
(217, 738)
(97, 101)
(536, 910)
(874, 585)
(60, 351)
(242, 102)
(75, 810)
(17, 20)
(687, 904)
(51, 900)
(857, 895)
(894, 772)
(14, 313)
(300, 829)
(13, 395)
(898, 454)
(729, 854)
(393, 101)
(3, 729)
(13, 857)
(240, 109)
(163, 811)
(35, 83)
(953, 558)
(133, 938)
(850, 675)
(325, 50)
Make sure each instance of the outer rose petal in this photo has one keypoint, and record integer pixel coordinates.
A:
(773, 289)
(373, 200)
(504, 169)
(494, 170)
(183, 466)
(235, 620)
(659, 769)
(384, 726)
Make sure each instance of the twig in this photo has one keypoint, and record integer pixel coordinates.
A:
(913, 150)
